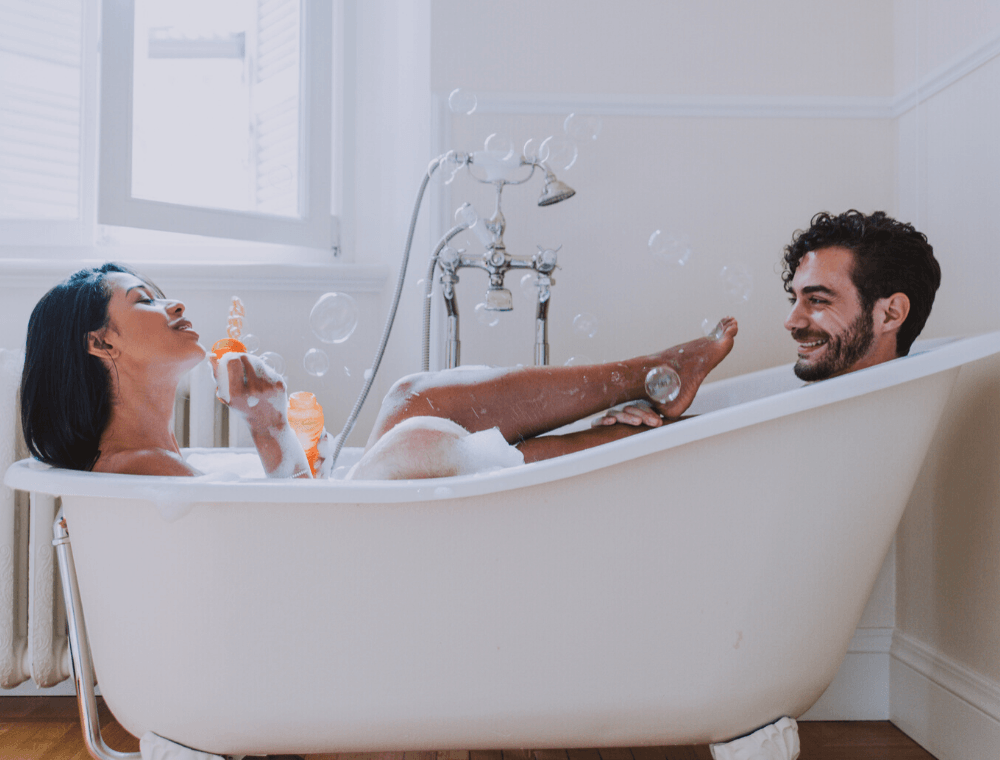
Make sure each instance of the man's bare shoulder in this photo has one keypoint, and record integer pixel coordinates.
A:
(145, 462)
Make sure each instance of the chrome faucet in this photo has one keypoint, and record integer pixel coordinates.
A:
(495, 260)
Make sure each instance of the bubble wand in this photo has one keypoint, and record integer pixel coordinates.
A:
(234, 329)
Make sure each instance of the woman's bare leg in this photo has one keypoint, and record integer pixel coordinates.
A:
(528, 401)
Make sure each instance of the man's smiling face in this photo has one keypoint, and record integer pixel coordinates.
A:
(833, 332)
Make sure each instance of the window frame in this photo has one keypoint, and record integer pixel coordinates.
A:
(316, 229)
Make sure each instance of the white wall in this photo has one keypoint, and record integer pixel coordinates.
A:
(946, 673)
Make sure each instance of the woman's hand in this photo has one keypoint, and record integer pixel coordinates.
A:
(253, 389)
(258, 393)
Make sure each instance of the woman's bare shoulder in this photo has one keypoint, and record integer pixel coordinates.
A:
(144, 462)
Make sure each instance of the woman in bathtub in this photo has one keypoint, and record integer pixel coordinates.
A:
(106, 350)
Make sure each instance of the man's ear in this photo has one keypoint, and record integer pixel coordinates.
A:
(891, 312)
(98, 346)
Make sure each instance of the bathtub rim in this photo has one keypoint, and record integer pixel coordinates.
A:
(928, 357)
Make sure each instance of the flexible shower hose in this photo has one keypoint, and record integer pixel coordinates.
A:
(387, 330)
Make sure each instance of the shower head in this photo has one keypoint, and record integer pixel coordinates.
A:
(554, 190)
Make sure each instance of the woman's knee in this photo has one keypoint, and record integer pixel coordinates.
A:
(424, 447)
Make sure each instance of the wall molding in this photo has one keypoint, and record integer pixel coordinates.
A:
(688, 106)
(747, 106)
(946, 75)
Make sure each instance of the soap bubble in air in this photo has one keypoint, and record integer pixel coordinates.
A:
(582, 128)
(669, 248)
(251, 342)
(531, 150)
(316, 362)
(486, 317)
(334, 317)
(712, 329)
(274, 361)
(529, 286)
(466, 214)
(559, 153)
(421, 287)
(663, 384)
(463, 101)
(442, 170)
(585, 324)
(737, 283)
(500, 146)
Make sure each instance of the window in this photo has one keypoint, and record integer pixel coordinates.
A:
(40, 113)
(45, 119)
(216, 118)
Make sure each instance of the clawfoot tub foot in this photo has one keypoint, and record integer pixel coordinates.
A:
(153, 747)
(778, 741)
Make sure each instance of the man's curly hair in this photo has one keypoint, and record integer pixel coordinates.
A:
(889, 257)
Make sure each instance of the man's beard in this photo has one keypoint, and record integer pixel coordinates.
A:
(841, 351)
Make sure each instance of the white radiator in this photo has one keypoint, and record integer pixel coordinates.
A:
(33, 642)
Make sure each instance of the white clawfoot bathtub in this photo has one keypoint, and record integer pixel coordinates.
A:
(689, 584)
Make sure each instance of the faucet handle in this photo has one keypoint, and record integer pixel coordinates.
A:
(546, 258)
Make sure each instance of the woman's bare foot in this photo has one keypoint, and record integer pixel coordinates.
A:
(693, 361)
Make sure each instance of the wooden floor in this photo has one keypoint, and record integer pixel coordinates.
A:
(48, 728)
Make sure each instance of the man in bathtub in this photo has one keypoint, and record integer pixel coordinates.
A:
(861, 288)
(106, 351)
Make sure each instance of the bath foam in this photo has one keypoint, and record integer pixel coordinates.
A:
(227, 462)
(324, 448)
(488, 451)
(423, 447)
(222, 375)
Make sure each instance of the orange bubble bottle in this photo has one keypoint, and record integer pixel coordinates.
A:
(227, 346)
(305, 415)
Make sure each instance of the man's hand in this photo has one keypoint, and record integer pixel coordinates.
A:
(636, 413)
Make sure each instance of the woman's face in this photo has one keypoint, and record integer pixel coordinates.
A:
(144, 329)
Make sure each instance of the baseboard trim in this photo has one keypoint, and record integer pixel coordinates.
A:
(950, 710)
(952, 676)
(29, 689)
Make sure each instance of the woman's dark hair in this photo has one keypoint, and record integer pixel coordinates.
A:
(889, 257)
(66, 391)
